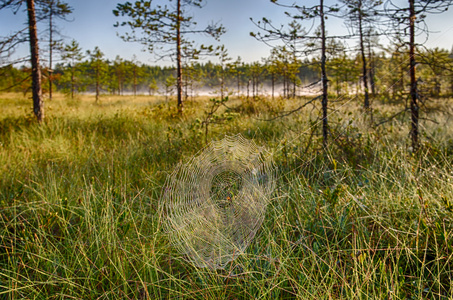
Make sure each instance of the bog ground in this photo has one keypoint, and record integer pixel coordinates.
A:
(363, 219)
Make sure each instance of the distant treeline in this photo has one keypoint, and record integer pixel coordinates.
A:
(282, 75)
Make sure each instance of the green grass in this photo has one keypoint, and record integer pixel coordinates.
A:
(79, 203)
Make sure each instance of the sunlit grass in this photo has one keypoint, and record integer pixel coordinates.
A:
(79, 204)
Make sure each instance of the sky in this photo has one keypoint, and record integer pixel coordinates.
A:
(91, 24)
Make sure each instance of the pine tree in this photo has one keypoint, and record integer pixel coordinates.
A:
(411, 17)
(318, 12)
(38, 103)
(362, 14)
(72, 54)
(98, 66)
(49, 10)
(161, 26)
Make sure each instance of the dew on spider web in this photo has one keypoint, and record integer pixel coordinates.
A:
(215, 203)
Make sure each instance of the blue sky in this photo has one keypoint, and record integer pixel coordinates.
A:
(92, 25)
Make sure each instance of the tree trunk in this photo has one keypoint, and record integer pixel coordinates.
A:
(295, 75)
(222, 84)
(72, 82)
(284, 86)
(273, 84)
(97, 82)
(239, 85)
(371, 70)
(325, 128)
(50, 50)
(257, 84)
(403, 73)
(178, 57)
(119, 84)
(364, 62)
(253, 86)
(414, 132)
(135, 81)
(248, 88)
(38, 104)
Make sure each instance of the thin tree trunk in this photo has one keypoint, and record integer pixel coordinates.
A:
(253, 86)
(257, 84)
(135, 81)
(371, 69)
(122, 86)
(38, 104)
(191, 90)
(239, 85)
(414, 132)
(325, 128)
(295, 75)
(97, 82)
(284, 86)
(371, 76)
(364, 63)
(119, 83)
(72, 82)
(50, 50)
(248, 88)
(178, 57)
(273, 84)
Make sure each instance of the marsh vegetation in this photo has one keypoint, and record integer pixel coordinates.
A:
(366, 218)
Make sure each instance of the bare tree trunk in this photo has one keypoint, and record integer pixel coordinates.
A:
(284, 86)
(295, 77)
(248, 88)
(119, 83)
(38, 104)
(414, 132)
(364, 63)
(135, 81)
(239, 85)
(178, 57)
(253, 86)
(257, 85)
(50, 50)
(371, 70)
(325, 128)
(72, 82)
(97, 82)
(273, 84)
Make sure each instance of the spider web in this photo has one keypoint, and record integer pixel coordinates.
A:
(215, 203)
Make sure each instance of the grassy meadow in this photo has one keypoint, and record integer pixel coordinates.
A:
(363, 219)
